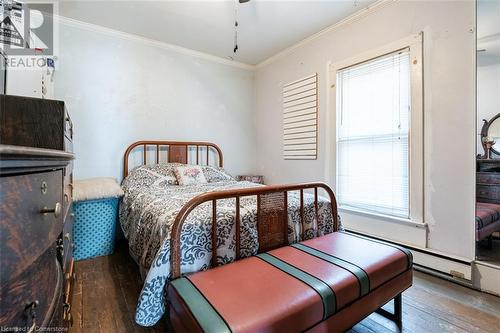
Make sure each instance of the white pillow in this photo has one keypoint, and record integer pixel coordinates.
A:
(96, 188)
(188, 175)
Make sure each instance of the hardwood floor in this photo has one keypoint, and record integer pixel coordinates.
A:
(106, 294)
(107, 289)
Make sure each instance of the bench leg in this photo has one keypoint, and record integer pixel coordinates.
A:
(397, 316)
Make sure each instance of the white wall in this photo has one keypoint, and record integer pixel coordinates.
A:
(119, 90)
(449, 116)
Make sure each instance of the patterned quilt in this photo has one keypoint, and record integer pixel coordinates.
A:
(150, 204)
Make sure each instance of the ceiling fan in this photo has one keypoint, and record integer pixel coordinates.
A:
(235, 49)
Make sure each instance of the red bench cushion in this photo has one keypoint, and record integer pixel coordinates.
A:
(487, 219)
(486, 213)
(288, 289)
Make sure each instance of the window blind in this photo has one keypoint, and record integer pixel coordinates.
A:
(300, 118)
(373, 103)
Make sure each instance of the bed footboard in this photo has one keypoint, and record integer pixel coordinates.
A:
(272, 216)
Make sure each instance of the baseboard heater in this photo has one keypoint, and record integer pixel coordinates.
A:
(448, 268)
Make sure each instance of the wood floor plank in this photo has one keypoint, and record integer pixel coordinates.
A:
(466, 308)
(76, 310)
(422, 321)
(465, 317)
(90, 308)
(362, 328)
(371, 325)
(483, 301)
(107, 289)
(414, 320)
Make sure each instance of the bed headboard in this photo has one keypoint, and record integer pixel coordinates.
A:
(176, 151)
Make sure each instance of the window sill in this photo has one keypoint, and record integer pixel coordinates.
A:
(382, 217)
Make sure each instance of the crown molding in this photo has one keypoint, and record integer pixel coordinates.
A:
(490, 38)
(151, 42)
(349, 19)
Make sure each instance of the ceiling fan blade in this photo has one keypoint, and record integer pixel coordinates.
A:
(244, 1)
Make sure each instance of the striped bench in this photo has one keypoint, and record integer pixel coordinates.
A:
(326, 284)
(487, 220)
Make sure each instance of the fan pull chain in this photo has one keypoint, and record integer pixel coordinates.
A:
(235, 27)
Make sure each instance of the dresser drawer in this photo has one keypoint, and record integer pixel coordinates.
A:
(57, 319)
(68, 266)
(68, 188)
(69, 283)
(40, 284)
(68, 242)
(33, 122)
(489, 192)
(490, 178)
(30, 219)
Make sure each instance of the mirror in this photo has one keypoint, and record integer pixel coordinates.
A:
(488, 74)
(488, 126)
(490, 137)
(494, 132)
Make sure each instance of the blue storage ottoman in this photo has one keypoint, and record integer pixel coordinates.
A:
(96, 217)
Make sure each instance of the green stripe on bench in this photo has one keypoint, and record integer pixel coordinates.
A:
(202, 310)
(364, 281)
(326, 293)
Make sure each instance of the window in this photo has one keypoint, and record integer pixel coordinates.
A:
(376, 128)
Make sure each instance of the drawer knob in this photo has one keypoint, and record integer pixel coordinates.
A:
(67, 313)
(56, 210)
(70, 277)
(30, 310)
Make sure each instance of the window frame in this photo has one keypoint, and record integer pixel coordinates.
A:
(416, 131)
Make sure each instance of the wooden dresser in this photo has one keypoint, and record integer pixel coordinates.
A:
(488, 180)
(36, 264)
